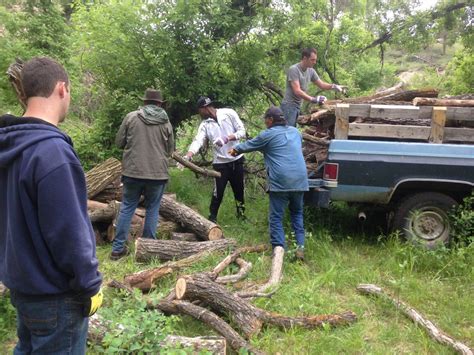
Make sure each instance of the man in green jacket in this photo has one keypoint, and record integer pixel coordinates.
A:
(146, 135)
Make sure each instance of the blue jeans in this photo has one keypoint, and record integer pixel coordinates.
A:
(132, 190)
(49, 324)
(291, 113)
(278, 203)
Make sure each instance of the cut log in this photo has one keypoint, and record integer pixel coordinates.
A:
(144, 280)
(208, 344)
(423, 101)
(201, 287)
(14, 76)
(102, 175)
(407, 95)
(416, 317)
(147, 249)
(184, 237)
(275, 276)
(316, 140)
(204, 315)
(194, 167)
(166, 228)
(189, 219)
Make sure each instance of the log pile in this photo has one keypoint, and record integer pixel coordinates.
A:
(320, 123)
(104, 191)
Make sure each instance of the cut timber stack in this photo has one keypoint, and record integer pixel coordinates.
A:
(378, 115)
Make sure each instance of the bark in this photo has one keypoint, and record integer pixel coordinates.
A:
(14, 76)
(416, 317)
(212, 344)
(201, 287)
(423, 101)
(189, 219)
(204, 315)
(194, 167)
(102, 175)
(184, 237)
(147, 249)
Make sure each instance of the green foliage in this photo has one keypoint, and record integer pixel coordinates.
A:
(132, 327)
(7, 320)
(462, 221)
(459, 75)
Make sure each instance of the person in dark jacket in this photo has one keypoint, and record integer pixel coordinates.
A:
(47, 245)
(286, 175)
(146, 136)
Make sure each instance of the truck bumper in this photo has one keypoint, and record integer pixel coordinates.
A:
(317, 197)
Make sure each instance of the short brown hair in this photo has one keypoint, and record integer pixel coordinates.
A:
(306, 52)
(40, 75)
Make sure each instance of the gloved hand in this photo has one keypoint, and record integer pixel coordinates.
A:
(320, 99)
(339, 88)
(221, 141)
(233, 152)
(92, 304)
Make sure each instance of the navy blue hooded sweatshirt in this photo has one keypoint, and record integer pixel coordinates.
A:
(47, 245)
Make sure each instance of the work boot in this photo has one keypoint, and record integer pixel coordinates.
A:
(299, 255)
(116, 255)
(212, 218)
(240, 210)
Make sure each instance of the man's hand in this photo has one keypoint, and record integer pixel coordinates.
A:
(221, 141)
(92, 304)
(320, 99)
(188, 157)
(339, 88)
(233, 152)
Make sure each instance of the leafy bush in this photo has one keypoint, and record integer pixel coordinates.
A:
(133, 328)
(462, 222)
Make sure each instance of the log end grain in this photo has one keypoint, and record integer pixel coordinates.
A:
(215, 233)
(180, 288)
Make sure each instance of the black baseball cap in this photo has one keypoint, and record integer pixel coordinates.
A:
(203, 101)
(275, 113)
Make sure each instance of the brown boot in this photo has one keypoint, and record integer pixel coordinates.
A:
(116, 255)
(299, 255)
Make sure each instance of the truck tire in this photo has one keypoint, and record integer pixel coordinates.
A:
(423, 218)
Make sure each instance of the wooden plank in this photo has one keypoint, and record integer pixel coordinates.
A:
(452, 113)
(438, 122)
(359, 110)
(392, 111)
(465, 135)
(388, 131)
(342, 121)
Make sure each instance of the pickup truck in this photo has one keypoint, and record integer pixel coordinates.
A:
(415, 182)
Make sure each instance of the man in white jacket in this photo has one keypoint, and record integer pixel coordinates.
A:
(223, 129)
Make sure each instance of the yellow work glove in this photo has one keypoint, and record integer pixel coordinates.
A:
(92, 304)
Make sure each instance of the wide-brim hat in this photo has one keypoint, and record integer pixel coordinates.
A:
(153, 95)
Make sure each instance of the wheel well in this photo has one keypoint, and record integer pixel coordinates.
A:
(456, 190)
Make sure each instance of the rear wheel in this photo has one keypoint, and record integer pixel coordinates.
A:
(424, 218)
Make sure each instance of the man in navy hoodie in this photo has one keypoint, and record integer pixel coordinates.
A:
(47, 245)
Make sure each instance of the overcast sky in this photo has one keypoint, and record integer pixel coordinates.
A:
(426, 4)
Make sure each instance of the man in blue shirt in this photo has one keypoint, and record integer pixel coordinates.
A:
(286, 175)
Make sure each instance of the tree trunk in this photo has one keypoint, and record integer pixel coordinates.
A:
(102, 175)
(423, 101)
(146, 249)
(189, 219)
(411, 313)
(201, 287)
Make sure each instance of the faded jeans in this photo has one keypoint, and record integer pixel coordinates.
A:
(50, 324)
(132, 191)
(291, 113)
(278, 203)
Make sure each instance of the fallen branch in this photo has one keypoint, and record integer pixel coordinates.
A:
(194, 167)
(244, 269)
(411, 313)
(424, 101)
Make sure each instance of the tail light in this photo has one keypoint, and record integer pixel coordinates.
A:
(331, 171)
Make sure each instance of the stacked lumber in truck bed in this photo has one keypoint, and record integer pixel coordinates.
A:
(394, 114)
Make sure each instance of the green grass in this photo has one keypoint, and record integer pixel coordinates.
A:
(341, 254)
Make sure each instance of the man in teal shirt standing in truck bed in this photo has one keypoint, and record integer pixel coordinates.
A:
(286, 175)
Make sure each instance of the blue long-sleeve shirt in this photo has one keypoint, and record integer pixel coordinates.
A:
(281, 147)
(47, 245)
